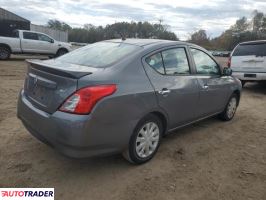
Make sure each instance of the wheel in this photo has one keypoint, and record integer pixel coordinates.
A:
(145, 140)
(230, 108)
(243, 83)
(4, 53)
(61, 52)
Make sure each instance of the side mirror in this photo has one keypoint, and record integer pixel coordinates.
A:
(52, 41)
(227, 71)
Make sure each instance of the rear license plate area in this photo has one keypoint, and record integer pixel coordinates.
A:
(250, 75)
(37, 91)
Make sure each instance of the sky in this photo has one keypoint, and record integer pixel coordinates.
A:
(183, 16)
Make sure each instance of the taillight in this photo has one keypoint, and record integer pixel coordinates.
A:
(229, 61)
(83, 100)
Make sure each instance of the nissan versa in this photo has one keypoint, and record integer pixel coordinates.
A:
(122, 96)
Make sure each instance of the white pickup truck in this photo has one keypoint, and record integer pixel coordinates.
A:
(30, 42)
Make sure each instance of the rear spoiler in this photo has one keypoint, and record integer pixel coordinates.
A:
(53, 69)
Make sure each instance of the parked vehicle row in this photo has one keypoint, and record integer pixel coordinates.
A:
(122, 96)
(221, 53)
(30, 42)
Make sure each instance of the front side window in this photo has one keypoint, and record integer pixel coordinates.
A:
(204, 63)
(156, 62)
(44, 38)
(100, 54)
(30, 36)
(175, 61)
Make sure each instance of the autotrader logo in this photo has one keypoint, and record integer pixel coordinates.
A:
(26, 193)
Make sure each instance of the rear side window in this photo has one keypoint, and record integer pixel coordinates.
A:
(170, 62)
(156, 62)
(100, 54)
(175, 61)
(30, 36)
(250, 50)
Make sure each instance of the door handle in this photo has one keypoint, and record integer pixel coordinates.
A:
(164, 91)
(205, 87)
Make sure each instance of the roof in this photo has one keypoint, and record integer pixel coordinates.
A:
(253, 42)
(145, 42)
(7, 15)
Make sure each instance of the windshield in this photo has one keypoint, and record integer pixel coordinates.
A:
(250, 49)
(99, 54)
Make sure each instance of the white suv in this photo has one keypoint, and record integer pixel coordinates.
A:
(248, 61)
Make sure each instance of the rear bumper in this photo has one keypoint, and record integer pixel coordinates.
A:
(76, 136)
(258, 76)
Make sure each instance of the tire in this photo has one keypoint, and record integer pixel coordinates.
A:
(230, 109)
(61, 52)
(4, 53)
(140, 152)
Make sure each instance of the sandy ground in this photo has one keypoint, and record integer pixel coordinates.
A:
(207, 160)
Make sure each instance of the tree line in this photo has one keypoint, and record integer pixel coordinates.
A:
(243, 30)
(90, 33)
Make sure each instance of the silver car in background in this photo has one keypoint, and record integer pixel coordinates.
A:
(121, 96)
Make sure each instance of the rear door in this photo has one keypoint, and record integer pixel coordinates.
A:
(249, 57)
(30, 42)
(214, 89)
(176, 88)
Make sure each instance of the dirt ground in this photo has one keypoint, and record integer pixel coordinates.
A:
(207, 160)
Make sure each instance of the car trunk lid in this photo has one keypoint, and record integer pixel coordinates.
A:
(49, 83)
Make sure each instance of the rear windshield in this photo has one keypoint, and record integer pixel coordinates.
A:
(100, 54)
(250, 49)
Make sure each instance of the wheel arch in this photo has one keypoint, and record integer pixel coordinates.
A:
(6, 46)
(62, 48)
(129, 153)
(163, 119)
(237, 93)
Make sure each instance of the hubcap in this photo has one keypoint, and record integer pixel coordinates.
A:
(147, 139)
(231, 108)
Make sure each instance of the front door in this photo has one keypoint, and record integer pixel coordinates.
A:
(46, 44)
(175, 87)
(213, 87)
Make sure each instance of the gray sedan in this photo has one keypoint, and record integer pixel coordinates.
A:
(122, 96)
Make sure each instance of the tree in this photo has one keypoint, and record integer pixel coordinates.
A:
(243, 30)
(240, 26)
(90, 33)
(257, 21)
(263, 27)
(58, 25)
(200, 38)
